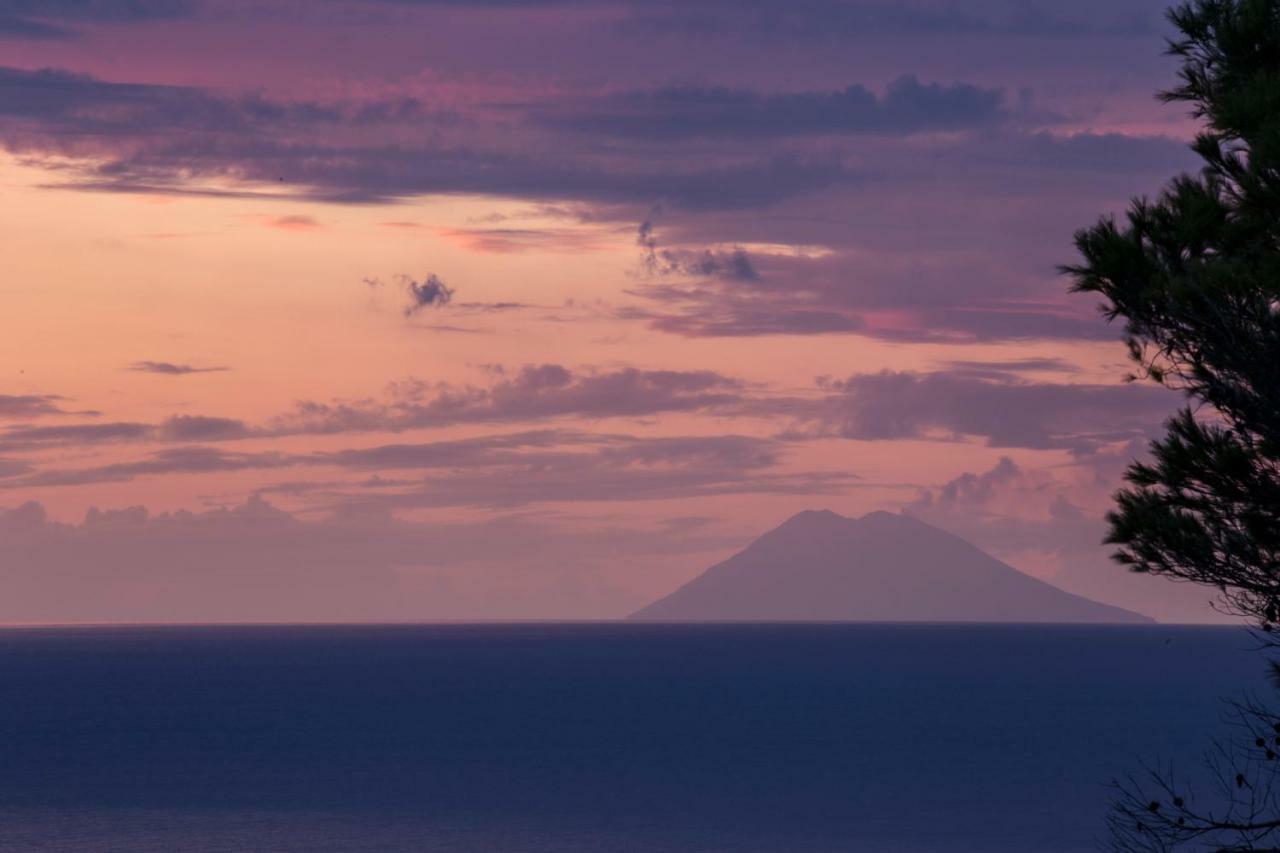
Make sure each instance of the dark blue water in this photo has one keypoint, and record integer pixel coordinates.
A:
(594, 738)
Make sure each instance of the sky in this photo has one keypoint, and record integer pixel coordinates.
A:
(533, 309)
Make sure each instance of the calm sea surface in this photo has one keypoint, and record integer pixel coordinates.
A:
(776, 738)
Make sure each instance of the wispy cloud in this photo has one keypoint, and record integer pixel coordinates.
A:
(533, 392)
(507, 470)
(295, 223)
(169, 368)
(528, 394)
(27, 406)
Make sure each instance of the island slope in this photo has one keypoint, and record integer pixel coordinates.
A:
(884, 567)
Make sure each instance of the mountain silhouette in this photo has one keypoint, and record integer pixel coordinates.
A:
(882, 567)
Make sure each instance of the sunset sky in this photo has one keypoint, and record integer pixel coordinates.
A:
(397, 309)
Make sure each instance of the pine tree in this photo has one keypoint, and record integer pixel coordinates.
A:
(1195, 277)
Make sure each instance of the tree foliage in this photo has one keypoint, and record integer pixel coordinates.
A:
(1195, 277)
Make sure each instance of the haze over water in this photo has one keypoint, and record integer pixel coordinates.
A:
(595, 737)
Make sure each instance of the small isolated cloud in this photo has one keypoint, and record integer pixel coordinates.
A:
(431, 292)
(505, 241)
(494, 307)
(201, 428)
(168, 368)
(294, 223)
(1009, 368)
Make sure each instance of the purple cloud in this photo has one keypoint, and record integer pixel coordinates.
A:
(534, 392)
(156, 138)
(180, 460)
(507, 470)
(678, 113)
(828, 20)
(1002, 410)
(430, 292)
(28, 437)
(27, 406)
(56, 19)
(732, 265)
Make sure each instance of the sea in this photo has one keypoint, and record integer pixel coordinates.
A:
(533, 738)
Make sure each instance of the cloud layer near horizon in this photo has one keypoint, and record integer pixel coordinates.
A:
(644, 278)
